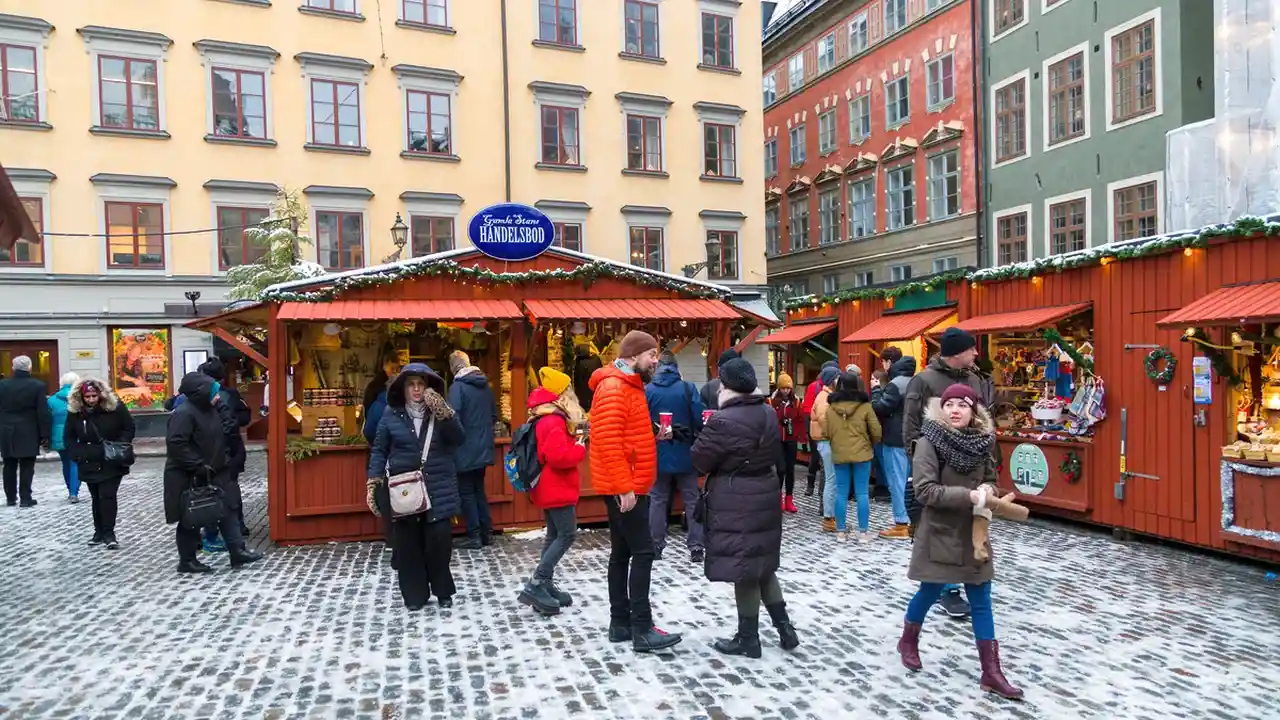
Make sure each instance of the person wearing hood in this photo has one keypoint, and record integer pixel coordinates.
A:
(818, 433)
(419, 432)
(737, 451)
(890, 411)
(672, 395)
(585, 364)
(477, 411)
(58, 412)
(235, 415)
(25, 425)
(788, 412)
(555, 415)
(95, 416)
(806, 409)
(195, 454)
(853, 429)
(710, 392)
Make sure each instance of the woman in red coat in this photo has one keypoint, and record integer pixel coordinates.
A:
(787, 406)
(555, 412)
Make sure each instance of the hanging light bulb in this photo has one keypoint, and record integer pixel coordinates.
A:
(1188, 252)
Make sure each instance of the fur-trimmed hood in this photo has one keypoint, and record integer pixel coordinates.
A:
(981, 418)
(75, 401)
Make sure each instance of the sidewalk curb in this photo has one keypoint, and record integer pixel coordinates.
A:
(156, 451)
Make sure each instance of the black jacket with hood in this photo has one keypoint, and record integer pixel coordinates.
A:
(87, 426)
(195, 444)
(890, 400)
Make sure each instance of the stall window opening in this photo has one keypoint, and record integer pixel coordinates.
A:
(136, 235)
(568, 236)
(1137, 212)
(235, 247)
(431, 235)
(723, 266)
(646, 247)
(27, 252)
(1011, 239)
(340, 240)
(560, 135)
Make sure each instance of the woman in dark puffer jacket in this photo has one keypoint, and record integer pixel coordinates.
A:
(94, 415)
(737, 451)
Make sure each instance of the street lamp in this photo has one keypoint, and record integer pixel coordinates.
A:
(713, 251)
(399, 236)
(193, 296)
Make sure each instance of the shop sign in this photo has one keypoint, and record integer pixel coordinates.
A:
(84, 354)
(511, 232)
(1029, 469)
(1202, 374)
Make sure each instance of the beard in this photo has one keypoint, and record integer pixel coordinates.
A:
(645, 373)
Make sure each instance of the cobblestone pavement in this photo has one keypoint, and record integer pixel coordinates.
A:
(1090, 628)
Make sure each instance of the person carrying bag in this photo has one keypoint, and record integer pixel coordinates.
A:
(98, 437)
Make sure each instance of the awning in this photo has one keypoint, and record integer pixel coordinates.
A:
(1233, 305)
(759, 311)
(1021, 320)
(796, 334)
(631, 309)
(358, 310)
(902, 326)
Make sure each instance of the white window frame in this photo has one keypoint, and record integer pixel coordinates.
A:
(427, 80)
(959, 174)
(795, 66)
(792, 202)
(868, 179)
(439, 205)
(825, 149)
(33, 33)
(718, 114)
(830, 233)
(792, 145)
(1045, 7)
(133, 45)
(900, 273)
(1112, 187)
(1086, 195)
(858, 27)
(1081, 49)
(771, 172)
(112, 192)
(1155, 17)
(719, 221)
(1025, 77)
(933, 5)
(995, 231)
(324, 69)
(773, 247)
(249, 198)
(942, 102)
(248, 58)
(36, 185)
(905, 79)
(637, 217)
(725, 8)
(770, 85)
(991, 20)
(866, 278)
(340, 204)
(945, 264)
(648, 106)
(828, 53)
(830, 283)
(566, 96)
(915, 198)
(906, 16)
(863, 100)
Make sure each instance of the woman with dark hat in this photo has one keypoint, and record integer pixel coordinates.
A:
(418, 432)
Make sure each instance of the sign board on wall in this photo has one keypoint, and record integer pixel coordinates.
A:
(84, 354)
(140, 366)
(1202, 374)
(1029, 469)
(511, 232)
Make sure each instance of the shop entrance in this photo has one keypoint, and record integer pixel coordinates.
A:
(44, 359)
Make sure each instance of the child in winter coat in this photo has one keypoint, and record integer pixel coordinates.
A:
(555, 412)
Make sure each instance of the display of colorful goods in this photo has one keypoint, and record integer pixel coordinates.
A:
(320, 397)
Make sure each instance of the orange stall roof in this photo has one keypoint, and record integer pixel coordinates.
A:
(902, 326)
(1021, 320)
(1231, 305)
(796, 334)
(401, 310)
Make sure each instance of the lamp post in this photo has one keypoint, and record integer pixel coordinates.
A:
(399, 236)
(713, 251)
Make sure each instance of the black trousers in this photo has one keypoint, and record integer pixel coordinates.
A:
(104, 505)
(18, 473)
(787, 467)
(422, 551)
(630, 564)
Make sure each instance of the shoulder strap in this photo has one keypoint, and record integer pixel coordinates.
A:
(426, 446)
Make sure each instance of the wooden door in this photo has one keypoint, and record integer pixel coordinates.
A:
(44, 359)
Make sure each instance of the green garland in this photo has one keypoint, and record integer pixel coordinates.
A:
(1222, 364)
(1053, 336)
(1161, 375)
(906, 288)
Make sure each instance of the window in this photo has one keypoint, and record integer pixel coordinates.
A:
(1009, 14)
(771, 158)
(429, 122)
(860, 118)
(944, 264)
(27, 251)
(642, 28)
(798, 223)
(724, 266)
(932, 5)
(430, 235)
(335, 113)
(646, 247)
(340, 240)
(771, 88)
(899, 273)
(234, 246)
(827, 132)
(568, 236)
(1066, 99)
(863, 279)
(772, 231)
(426, 12)
(1011, 238)
(795, 72)
(829, 217)
(1136, 212)
(129, 93)
(826, 53)
(136, 233)
(1067, 227)
(897, 101)
(900, 197)
(942, 81)
(858, 38)
(239, 104)
(558, 21)
(717, 40)
(830, 284)
(944, 185)
(19, 84)
(339, 6)
(862, 208)
(644, 143)
(1011, 120)
(895, 16)
(1133, 73)
(798, 154)
(720, 158)
(560, 135)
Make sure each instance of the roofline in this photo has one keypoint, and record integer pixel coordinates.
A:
(781, 28)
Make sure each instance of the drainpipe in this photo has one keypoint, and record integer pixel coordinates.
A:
(979, 121)
(506, 98)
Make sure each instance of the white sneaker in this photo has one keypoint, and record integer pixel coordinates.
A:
(842, 537)
(73, 499)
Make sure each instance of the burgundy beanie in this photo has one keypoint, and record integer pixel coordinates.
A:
(636, 343)
(962, 391)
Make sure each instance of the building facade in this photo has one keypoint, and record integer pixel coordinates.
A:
(870, 143)
(1079, 97)
(143, 137)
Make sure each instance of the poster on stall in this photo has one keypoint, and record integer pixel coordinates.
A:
(1202, 373)
(140, 367)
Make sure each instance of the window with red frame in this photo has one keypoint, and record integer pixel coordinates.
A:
(239, 103)
(1137, 212)
(335, 113)
(642, 28)
(430, 234)
(725, 265)
(426, 12)
(27, 251)
(720, 155)
(19, 84)
(560, 135)
(135, 235)
(430, 128)
(644, 143)
(128, 93)
(234, 244)
(339, 6)
(340, 240)
(558, 21)
(646, 247)
(717, 40)
(569, 236)
(1011, 239)
(1133, 73)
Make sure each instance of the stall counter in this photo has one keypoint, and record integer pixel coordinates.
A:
(1251, 502)
(1046, 472)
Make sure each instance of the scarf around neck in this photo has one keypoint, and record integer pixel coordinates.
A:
(964, 450)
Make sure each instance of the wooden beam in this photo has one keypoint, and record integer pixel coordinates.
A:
(680, 345)
(749, 339)
(240, 345)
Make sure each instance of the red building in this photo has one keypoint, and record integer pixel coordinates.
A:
(871, 142)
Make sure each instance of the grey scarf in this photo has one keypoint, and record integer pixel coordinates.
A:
(963, 450)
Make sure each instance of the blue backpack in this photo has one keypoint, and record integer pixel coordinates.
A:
(521, 462)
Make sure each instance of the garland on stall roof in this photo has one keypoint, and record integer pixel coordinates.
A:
(926, 285)
(587, 274)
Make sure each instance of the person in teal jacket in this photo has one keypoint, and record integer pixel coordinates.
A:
(58, 407)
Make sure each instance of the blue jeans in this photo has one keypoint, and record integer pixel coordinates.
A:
(70, 473)
(860, 474)
(980, 615)
(475, 506)
(828, 480)
(893, 462)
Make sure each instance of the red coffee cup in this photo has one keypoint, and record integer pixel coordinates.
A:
(664, 421)
(706, 415)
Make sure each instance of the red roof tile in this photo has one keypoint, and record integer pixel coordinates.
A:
(1021, 320)
(902, 326)
(1232, 305)
(401, 310)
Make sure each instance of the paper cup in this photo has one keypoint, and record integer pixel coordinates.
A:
(664, 420)
(706, 415)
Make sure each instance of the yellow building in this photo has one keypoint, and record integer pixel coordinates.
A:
(623, 120)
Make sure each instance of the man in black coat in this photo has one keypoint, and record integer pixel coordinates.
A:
(196, 447)
(25, 425)
(710, 392)
(584, 365)
(235, 414)
(889, 403)
(472, 399)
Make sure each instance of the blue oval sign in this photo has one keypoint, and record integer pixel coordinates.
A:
(510, 231)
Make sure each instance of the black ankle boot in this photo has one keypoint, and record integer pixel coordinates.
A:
(619, 632)
(787, 636)
(747, 640)
(242, 555)
(193, 567)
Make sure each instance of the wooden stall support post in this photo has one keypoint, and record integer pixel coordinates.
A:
(747, 341)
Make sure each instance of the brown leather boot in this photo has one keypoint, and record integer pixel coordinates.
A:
(909, 646)
(993, 680)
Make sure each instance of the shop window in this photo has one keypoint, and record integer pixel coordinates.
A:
(725, 265)
(717, 40)
(560, 135)
(858, 37)
(895, 16)
(430, 122)
(1067, 227)
(826, 53)
(944, 185)
(140, 372)
(860, 118)
(863, 279)
(1137, 212)
(862, 208)
(720, 159)
(641, 20)
(19, 84)
(900, 197)
(827, 132)
(770, 87)
(941, 265)
(644, 143)
(335, 114)
(942, 81)
(795, 72)
(772, 231)
(1011, 238)
(798, 223)
(128, 93)
(27, 251)
(1009, 15)
(338, 6)
(1066, 89)
(1133, 73)
(829, 217)
(432, 13)
(239, 103)
(899, 273)
(897, 101)
(340, 240)
(771, 158)
(558, 21)
(234, 244)
(646, 247)
(430, 234)
(798, 152)
(569, 236)
(136, 233)
(830, 284)
(1011, 120)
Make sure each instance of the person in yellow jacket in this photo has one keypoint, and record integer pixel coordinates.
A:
(853, 430)
(818, 435)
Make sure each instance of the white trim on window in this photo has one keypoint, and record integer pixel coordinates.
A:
(991, 20)
(1045, 7)
(37, 188)
(723, 8)
(560, 212)
(1155, 17)
(108, 192)
(339, 204)
(23, 32)
(143, 47)
(995, 237)
(646, 106)
(319, 69)
(644, 217)
(250, 58)
(1112, 187)
(1025, 77)
(427, 80)
(249, 199)
(1086, 195)
(1081, 49)
(565, 96)
(426, 10)
(863, 30)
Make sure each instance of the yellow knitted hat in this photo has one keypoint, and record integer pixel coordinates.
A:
(553, 380)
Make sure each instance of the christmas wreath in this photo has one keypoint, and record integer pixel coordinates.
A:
(1161, 374)
(1071, 467)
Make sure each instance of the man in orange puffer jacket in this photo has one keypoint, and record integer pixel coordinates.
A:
(624, 465)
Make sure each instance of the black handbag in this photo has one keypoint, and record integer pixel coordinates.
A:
(202, 505)
(114, 451)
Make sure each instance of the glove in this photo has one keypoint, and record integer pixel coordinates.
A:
(369, 497)
(437, 405)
